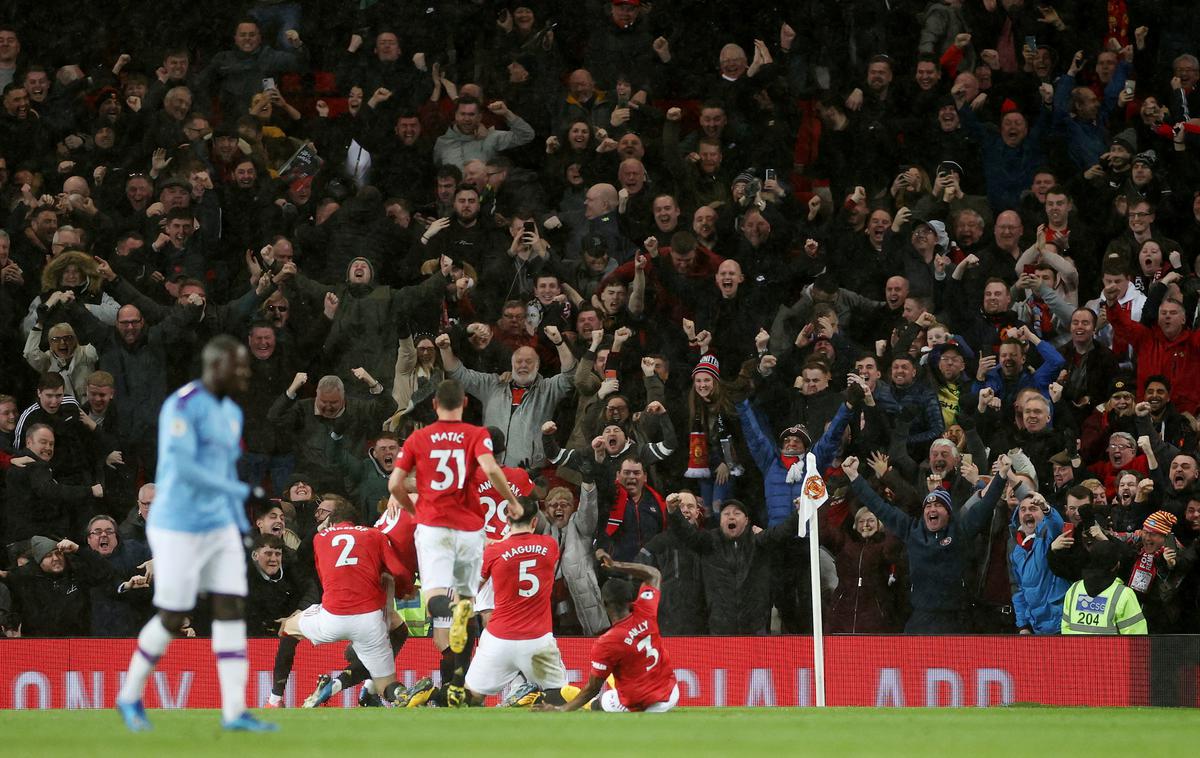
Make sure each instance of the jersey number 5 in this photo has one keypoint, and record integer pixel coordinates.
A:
(344, 559)
(449, 478)
(649, 650)
(534, 584)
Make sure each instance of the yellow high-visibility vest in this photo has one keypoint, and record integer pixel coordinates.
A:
(1116, 610)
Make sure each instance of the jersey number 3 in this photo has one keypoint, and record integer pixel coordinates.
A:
(449, 478)
(345, 558)
(649, 650)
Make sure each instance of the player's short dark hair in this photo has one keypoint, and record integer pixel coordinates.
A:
(530, 509)
(499, 443)
(50, 380)
(218, 347)
(343, 509)
(450, 395)
(617, 592)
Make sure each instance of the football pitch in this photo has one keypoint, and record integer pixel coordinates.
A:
(775, 732)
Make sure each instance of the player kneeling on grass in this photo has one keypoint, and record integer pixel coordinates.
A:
(518, 640)
(631, 651)
(354, 564)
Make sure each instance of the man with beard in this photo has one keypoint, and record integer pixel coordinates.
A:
(465, 237)
(938, 545)
(678, 280)
(519, 404)
(21, 131)
(121, 614)
(1169, 424)
(1038, 593)
(1006, 372)
(401, 162)
(367, 476)
(704, 226)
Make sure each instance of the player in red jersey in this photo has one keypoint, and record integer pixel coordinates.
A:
(399, 532)
(359, 572)
(495, 515)
(631, 651)
(519, 641)
(450, 535)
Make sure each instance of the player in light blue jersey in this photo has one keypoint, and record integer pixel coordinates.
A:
(195, 532)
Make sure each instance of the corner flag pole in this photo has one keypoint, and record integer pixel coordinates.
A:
(818, 635)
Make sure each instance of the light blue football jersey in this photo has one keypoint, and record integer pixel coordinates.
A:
(199, 442)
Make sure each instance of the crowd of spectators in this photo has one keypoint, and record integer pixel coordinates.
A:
(669, 249)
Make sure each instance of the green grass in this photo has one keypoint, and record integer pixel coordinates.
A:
(774, 732)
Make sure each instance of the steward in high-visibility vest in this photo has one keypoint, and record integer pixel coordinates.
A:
(1099, 603)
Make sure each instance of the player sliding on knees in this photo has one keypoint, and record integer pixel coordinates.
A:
(518, 641)
(358, 570)
(195, 533)
(631, 651)
(399, 534)
(450, 527)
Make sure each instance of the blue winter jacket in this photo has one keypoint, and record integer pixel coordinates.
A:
(765, 451)
(1038, 598)
(1052, 363)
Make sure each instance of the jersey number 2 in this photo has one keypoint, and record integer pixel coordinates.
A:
(344, 559)
(525, 576)
(649, 650)
(448, 478)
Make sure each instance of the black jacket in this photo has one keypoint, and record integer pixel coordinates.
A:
(736, 572)
(682, 611)
(37, 503)
(53, 605)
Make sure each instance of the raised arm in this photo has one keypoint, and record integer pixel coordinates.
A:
(640, 571)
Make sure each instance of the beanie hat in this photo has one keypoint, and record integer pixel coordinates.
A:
(708, 365)
(798, 430)
(41, 547)
(1126, 138)
(1159, 522)
(941, 495)
(1009, 106)
(1147, 157)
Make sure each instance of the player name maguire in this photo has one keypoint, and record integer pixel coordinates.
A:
(513, 552)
